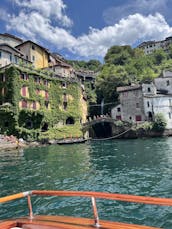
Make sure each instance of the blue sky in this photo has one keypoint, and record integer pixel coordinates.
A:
(85, 29)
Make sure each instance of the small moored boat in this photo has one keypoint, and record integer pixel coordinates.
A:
(64, 222)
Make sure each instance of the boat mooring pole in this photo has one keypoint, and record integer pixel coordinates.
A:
(30, 207)
(96, 217)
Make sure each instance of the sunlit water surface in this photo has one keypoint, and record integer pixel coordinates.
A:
(140, 167)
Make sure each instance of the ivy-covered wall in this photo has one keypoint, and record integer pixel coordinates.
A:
(51, 108)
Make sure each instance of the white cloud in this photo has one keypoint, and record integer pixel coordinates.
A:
(52, 8)
(144, 7)
(96, 43)
(35, 26)
(38, 27)
(127, 31)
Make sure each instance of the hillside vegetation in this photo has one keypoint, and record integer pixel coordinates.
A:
(124, 65)
(92, 65)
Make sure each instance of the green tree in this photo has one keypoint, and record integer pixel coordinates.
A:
(109, 79)
(159, 56)
(119, 55)
(159, 122)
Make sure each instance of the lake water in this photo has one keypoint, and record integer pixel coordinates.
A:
(140, 167)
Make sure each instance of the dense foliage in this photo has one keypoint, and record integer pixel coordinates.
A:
(47, 120)
(159, 123)
(92, 65)
(124, 65)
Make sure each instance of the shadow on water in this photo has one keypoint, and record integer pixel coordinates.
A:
(141, 167)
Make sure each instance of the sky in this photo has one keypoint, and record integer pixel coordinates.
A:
(86, 29)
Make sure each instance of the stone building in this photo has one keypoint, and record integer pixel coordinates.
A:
(143, 102)
(131, 101)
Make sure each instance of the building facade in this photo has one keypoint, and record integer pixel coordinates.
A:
(143, 102)
(9, 39)
(38, 55)
(34, 105)
(9, 54)
(131, 101)
(150, 46)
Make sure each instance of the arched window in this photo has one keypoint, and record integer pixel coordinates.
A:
(44, 127)
(70, 121)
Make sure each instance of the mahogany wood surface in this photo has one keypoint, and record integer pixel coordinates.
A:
(111, 196)
(64, 222)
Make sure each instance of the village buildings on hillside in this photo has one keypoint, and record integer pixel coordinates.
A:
(143, 102)
(39, 91)
(150, 46)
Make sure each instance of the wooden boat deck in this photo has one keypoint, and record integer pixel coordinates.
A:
(63, 222)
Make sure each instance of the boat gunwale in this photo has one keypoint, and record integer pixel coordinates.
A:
(93, 196)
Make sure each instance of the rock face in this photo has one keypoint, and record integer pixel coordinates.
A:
(10, 143)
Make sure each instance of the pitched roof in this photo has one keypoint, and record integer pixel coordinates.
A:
(10, 35)
(29, 41)
(16, 50)
(128, 88)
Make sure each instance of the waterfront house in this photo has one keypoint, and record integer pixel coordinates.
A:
(38, 55)
(33, 104)
(131, 107)
(142, 102)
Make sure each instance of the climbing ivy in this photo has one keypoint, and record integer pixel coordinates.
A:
(28, 123)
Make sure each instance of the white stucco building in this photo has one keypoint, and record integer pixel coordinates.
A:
(150, 46)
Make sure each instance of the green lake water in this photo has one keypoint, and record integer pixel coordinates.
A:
(140, 167)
